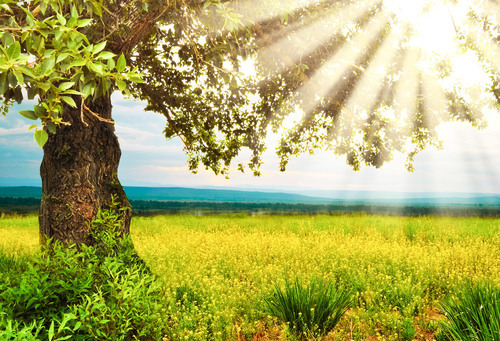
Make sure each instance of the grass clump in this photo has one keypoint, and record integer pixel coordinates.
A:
(97, 292)
(473, 315)
(309, 311)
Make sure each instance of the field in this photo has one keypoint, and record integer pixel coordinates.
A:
(399, 269)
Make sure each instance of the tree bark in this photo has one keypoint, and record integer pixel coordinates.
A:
(79, 174)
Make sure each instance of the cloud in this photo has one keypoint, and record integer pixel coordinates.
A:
(23, 130)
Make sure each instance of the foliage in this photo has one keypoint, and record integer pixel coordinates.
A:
(474, 314)
(309, 311)
(46, 54)
(191, 55)
(96, 292)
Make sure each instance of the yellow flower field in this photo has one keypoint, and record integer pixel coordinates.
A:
(398, 269)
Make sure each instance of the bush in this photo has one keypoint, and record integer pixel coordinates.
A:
(309, 311)
(98, 292)
(473, 315)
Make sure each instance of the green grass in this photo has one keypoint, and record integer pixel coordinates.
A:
(474, 315)
(311, 310)
(219, 270)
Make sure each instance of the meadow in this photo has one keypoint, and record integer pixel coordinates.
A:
(217, 271)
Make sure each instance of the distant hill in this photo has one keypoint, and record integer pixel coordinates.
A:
(193, 194)
(21, 192)
(182, 194)
(315, 197)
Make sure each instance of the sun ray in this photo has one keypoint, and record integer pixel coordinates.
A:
(254, 12)
(331, 72)
(435, 99)
(290, 49)
(406, 88)
(366, 93)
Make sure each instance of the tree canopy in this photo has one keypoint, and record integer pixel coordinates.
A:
(341, 75)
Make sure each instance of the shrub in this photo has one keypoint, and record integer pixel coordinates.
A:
(473, 315)
(99, 292)
(311, 310)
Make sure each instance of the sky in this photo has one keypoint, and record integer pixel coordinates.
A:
(469, 161)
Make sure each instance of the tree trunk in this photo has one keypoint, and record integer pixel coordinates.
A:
(79, 174)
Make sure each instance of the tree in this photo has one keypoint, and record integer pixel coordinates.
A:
(185, 57)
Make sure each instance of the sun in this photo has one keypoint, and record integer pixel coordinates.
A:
(435, 24)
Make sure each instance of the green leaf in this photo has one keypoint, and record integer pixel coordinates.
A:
(84, 22)
(97, 68)
(24, 36)
(66, 85)
(69, 100)
(61, 19)
(96, 8)
(73, 92)
(51, 126)
(106, 55)
(29, 114)
(18, 95)
(12, 80)
(77, 62)
(74, 11)
(121, 63)
(51, 329)
(41, 138)
(88, 89)
(98, 48)
(26, 70)
(14, 50)
(121, 84)
(39, 111)
(62, 57)
(7, 39)
(32, 91)
(19, 76)
(111, 64)
(47, 66)
(43, 7)
(72, 22)
(45, 86)
(4, 86)
(136, 78)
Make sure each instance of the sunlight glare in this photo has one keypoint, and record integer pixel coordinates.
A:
(434, 23)
(407, 87)
(289, 50)
(332, 71)
(365, 95)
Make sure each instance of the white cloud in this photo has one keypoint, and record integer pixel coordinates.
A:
(23, 130)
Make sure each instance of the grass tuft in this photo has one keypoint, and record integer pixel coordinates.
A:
(309, 311)
(473, 315)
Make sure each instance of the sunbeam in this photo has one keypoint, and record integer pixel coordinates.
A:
(366, 93)
(334, 69)
(246, 9)
(290, 49)
(406, 88)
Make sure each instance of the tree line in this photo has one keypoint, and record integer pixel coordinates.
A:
(27, 206)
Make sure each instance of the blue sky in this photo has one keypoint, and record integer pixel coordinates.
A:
(469, 162)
